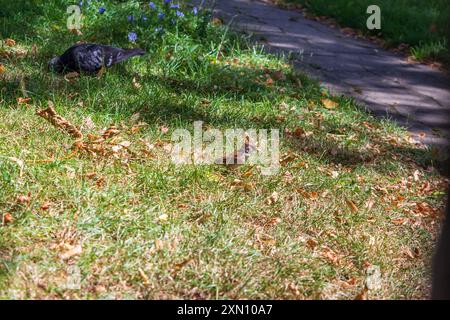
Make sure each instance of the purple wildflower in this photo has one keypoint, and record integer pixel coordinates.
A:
(161, 15)
(175, 6)
(180, 14)
(152, 5)
(130, 18)
(132, 36)
(101, 10)
(195, 11)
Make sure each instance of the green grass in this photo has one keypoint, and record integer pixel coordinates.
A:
(420, 24)
(150, 229)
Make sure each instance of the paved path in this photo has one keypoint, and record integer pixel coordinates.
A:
(414, 95)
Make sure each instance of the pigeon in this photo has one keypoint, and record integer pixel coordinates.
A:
(91, 58)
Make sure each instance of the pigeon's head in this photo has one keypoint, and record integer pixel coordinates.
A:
(55, 65)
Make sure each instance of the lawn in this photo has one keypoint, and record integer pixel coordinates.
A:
(420, 24)
(114, 215)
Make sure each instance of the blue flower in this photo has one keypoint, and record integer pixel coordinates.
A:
(195, 11)
(132, 36)
(101, 10)
(161, 15)
(174, 6)
(167, 1)
(144, 17)
(130, 18)
(81, 3)
(159, 30)
(152, 5)
(180, 14)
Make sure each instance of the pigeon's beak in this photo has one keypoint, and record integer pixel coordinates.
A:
(54, 65)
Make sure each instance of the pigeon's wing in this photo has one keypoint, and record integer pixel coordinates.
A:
(85, 57)
(90, 59)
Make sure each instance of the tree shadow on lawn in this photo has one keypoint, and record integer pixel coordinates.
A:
(227, 84)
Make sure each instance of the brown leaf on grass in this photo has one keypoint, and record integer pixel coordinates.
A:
(307, 194)
(287, 157)
(110, 132)
(409, 253)
(298, 132)
(311, 243)
(351, 205)
(50, 115)
(272, 199)
(145, 279)
(91, 175)
(247, 186)
(136, 84)
(400, 221)
(72, 252)
(76, 32)
(2, 68)
(294, 289)
(329, 104)
(24, 199)
(269, 81)
(10, 42)
(69, 77)
(7, 219)
(177, 267)
(23, 100)
(369, 204)
(362, 295)
(45, 206)
(330, 255)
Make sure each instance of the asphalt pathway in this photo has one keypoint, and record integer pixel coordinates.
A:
(414, 95)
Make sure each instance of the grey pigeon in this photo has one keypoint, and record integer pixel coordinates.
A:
(91, 58)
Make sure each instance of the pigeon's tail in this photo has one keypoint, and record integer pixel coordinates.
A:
(128, 53)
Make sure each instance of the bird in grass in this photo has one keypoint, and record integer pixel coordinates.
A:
(91, 58)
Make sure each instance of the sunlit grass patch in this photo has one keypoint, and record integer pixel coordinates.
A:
(352, 191)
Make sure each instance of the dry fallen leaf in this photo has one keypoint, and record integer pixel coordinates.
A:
(144, 277)
(7, 218)
(73, 251)
(136, 84)
(24, 199)
(76, 32)
(362, 295)
(351, 205)
(311, 243)
(10, 42)
(269, 81)
(330, 255)
(2, 68)
(45, 206)
(329, 104)
(71, 76)
(298, 132)
(272, 199)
